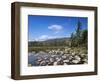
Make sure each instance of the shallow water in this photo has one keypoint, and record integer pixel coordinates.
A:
(31, 59)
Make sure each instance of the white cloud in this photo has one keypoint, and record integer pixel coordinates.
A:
(44, 37)
(56, 28)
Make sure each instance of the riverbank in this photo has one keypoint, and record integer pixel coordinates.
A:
(63, 56)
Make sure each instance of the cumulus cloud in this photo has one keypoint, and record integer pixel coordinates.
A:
(44, 37)
(56, 28)
(41, 38)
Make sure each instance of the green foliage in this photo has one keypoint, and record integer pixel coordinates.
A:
(50, 43)
(84, 35)
(79, 38)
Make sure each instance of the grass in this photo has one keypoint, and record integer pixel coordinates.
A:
(62, 48)
(30, 49)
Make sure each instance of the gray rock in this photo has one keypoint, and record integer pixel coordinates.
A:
(42, 53)
(29, 54)
(60, 63)
(67, 55)
(64, 57)
(75, 61)
(50, 63)
(55, 63)
(65, 64)
(37, 62)
(52, 55)
(45, 58)
(65, 61)
(33, 52)
(43, 63)
(51, 59)
(70, 57)
(39, 59)
(61, 52)
(85, 61)
(73, 53)
(77, 58)
(83, 55)
(59, 59)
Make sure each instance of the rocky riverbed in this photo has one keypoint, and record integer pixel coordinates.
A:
(57, 57)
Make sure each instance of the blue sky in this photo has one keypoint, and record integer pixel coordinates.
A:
(48, 27)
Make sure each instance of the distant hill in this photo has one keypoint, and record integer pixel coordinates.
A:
(50, 42)
(57, 39)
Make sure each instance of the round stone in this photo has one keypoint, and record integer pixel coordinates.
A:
(55, 63)
(64, 57)
(51, 59)
(75, 61)
(73, 53)
(65, 61)
(77, 58)
(42, 63)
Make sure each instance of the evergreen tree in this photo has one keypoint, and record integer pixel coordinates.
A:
(79, 38)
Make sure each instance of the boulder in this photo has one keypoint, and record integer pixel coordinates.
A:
(70, 57)
(77, 58)
(60, 63)
(65, 61)
(75, 61)
(55, 63)
(64, 57)
(73, 54)
(43, 63)
(52, 59)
